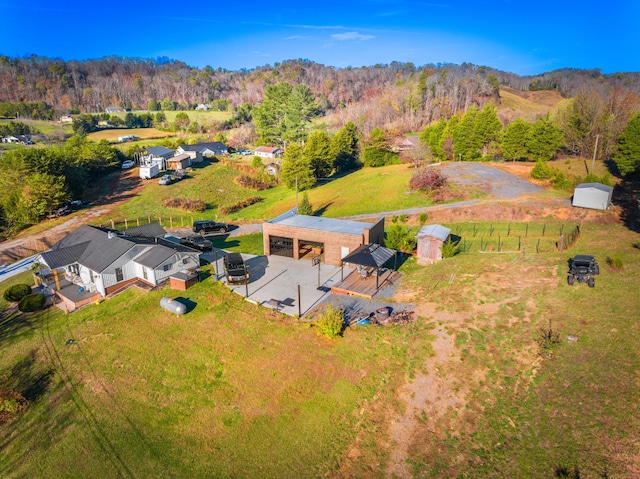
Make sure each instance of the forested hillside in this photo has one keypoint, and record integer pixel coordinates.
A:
(400, 95)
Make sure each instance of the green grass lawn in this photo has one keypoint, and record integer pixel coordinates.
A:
(45, 127)
(233, 390)
(368, 190)
(249, 244)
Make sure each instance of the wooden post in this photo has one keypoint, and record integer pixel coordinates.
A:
(170, 221)
(149, 219)
(112, 225)
(138, 221)
(526, 230)
(126, 225)
(57, 280)
(538, 246)
(299, 305)
(182, 221)
(544, 228)
(519, 238)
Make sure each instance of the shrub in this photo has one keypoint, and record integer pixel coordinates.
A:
(32, 302)
(256, 163)
(250, 182)
(12, 404)
(427, 179)
(400, 237)
(16, 292)
(184, 204)
(615, 262)
(331, 321)
(422, 218)
(226, 210)
(450, 248)
(542, 171)
(373, 156)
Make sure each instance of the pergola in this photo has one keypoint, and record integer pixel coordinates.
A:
(370, 256)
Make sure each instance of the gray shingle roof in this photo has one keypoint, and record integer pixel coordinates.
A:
(64, 256)
(370, 255)
(159, 151)
(437, 231)
(150, 230)
(322, 224)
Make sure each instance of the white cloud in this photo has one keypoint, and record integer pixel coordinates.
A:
(352, 36)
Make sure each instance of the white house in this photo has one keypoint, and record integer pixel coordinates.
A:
(268, 151)
(91, 262)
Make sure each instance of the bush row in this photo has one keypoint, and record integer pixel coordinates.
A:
(250, 182)
(184, 204)
(226, 210)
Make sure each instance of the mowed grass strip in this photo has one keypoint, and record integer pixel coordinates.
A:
(229, 389)
(368, 190)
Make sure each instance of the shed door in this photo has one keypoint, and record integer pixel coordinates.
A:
(280, 246)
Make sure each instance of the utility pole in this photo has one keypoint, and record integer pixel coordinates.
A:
(593, 160)
(296, 194)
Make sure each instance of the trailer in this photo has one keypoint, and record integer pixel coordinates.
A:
(149, 171)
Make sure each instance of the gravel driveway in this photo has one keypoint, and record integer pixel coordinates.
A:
(497, 183)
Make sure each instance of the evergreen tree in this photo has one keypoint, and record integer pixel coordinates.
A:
(515, 139)
(269, 116)
(544, 140)
(486, 131)
(345, 148)
(432, 138)
(299, 110)
(296, 167)
(317, 152)
(305, 207)
(628, 157)
(463, 136)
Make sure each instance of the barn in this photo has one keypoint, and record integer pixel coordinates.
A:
(595, 196)
(300, 236)
(430, 241)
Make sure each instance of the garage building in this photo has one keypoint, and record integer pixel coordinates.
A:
(299, 236)
(592, 195)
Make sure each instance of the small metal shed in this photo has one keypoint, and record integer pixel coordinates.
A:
(430, 241)
(592, 195)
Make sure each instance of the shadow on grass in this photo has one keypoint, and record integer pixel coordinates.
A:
(191, 305)
(29, 378)
(14, 325)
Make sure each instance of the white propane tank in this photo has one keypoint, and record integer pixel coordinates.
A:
(173, 305)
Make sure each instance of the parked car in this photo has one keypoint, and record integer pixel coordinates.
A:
(128, 164)
(62, 211)
(209, 226)
(235, 269)
(165, 180)
(197, 242)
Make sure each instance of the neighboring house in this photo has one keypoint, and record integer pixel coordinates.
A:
(404, 143)
(10, 139)
(105, 124)
(90, 262)
(272, 168)
(592, 195)
(113, 109)
(179, 162)
(430, 241)
(203, 150)
(122, 139)
(66, 119)
(203, 107)
(158, 155)
(268, 152)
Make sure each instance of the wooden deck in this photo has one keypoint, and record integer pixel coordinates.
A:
(355, 285)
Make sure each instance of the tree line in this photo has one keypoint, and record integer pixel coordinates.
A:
(36, 181)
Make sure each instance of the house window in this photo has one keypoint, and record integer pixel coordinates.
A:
(74, 268)
(91, 277)
(119, 275)
(144, 273)
(167, 267)
(185, 260)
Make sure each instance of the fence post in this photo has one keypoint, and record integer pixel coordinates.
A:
(160, 220)
(509, 230)
(519, 238)
(149, 219)
(491, 229)
(170, 221)
(544, 228)
(526, 230)
(112, 225)
(126, 225)
(138, 221)
(538, 246)
(499, 244)
(561, 228)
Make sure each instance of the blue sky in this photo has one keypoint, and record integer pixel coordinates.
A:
(522, 37)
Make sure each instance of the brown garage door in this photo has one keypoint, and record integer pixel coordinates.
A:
(281, 246)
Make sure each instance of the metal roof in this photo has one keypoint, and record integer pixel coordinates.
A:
(322, 224)
(437, 231)
(597, 186)
(150, 230)
(159, 151)
(154, 256)
(370, 255)
(64, 256)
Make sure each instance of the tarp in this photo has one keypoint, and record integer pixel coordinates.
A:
(372, 255)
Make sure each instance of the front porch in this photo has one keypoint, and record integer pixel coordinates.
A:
(72, 296)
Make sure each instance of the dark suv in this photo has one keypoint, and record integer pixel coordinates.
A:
(235, 269)
(197, 242)
(209, 226)
(583, 268)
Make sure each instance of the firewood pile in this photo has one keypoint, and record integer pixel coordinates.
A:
(396, 317)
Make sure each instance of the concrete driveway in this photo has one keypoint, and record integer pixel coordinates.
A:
(274, 281)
